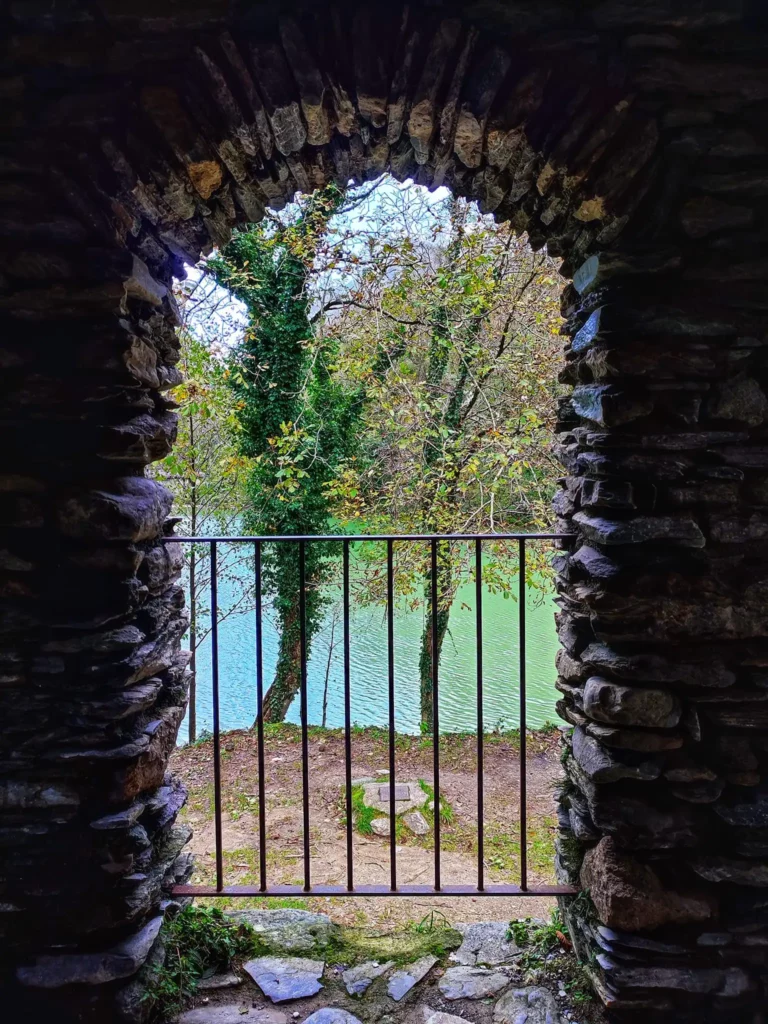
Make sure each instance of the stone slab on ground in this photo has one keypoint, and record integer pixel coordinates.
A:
(233, 1013)
(485, 944)
(287, 930)
(402, 981)
(416, 822)
(438, 1017)
(372, 798)
(332, 1015)
(217, 981)
(534, 1005)
(472, 983)
(285, 978)
(358, 979)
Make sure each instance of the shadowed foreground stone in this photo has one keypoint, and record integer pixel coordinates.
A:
(526, 1006)
(471, 983)
(233, 1013)
(285, 978)
(331, 1015)
(122, 961)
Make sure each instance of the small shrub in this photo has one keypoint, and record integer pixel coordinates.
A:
(198, 941)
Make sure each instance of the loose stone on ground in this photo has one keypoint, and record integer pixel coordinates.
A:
(533, 1005)
(233, 1013)
(402, 981)
(416, 822)
(485, 944)
(432, 1017)
(358, 979)
(218, 981)
(471, 983)
(284, 978)
(331, 1015)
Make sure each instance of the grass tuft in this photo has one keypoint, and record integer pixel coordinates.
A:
(199, 941)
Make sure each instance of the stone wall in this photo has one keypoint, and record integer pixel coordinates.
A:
(631, 139)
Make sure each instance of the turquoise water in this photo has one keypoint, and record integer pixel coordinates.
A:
(368, 658)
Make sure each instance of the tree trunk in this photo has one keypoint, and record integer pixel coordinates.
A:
(192, 712)
(193, 706)
(287, 680)
(444, 602)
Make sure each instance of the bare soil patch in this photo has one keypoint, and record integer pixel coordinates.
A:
(415, 854)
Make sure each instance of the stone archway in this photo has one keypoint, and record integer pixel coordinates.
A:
(630, 139)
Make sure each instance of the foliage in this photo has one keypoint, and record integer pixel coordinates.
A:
(452, 324)
(446, 811)
(198, 942)
(207, 474)
(538, 942)
(296, 418)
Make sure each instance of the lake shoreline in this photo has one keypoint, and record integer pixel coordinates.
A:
(376, 732)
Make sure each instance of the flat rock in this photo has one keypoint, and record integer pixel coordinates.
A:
(288, 931)
(402, 981)
(630, 896)
(217, 981)
(331, 1015)
(601, 765)
(233, 1013)
(471, 983)
(432, 1017)
(358, 979)
(121, 961)
(485, 944)
(416, 822)
(372, 797)
(380, 826)
(609, 702)
(533, 1005)
(284, 978)
(740, 872)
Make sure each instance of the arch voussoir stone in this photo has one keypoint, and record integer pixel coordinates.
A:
(628, 138)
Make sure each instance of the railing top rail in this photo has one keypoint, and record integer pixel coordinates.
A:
(271, 539)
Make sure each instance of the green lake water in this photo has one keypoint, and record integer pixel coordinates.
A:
(368, 658)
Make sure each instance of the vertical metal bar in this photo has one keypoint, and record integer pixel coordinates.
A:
(523, 728)
(304, 736)
(435, 710)
(480, 723)
(391, 677)
(216, 721)
(347, 717)
(260, 721)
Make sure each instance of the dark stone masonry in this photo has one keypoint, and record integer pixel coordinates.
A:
(629, 137)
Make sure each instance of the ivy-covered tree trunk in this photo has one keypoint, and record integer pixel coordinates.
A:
(297, 421)
(287, 678)
(445, 588)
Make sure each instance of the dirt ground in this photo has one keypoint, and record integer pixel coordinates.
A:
(415, 855)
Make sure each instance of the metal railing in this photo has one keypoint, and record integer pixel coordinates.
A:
(479, 886)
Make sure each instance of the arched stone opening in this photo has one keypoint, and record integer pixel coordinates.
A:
(632, 141)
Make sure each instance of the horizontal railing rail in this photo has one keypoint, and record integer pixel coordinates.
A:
(479, 886)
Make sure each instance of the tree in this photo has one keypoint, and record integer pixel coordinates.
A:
(458, 424)
(206, 473)
(296, 419)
